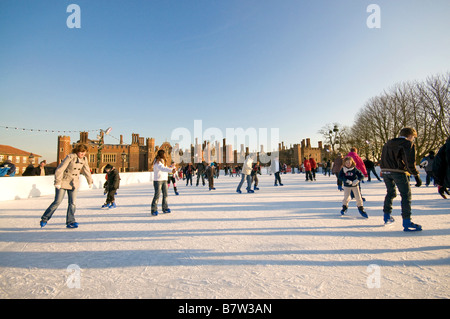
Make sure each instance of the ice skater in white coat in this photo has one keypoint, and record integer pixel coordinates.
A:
(160, 176)
(246, 174)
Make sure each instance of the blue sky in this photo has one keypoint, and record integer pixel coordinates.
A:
(149, 67)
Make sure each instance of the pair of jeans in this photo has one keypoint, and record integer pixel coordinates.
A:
(160, 186)
(249, 182)
(203, 178)
(372, 170)
(277, 178)
(59, 196)
(391, 180)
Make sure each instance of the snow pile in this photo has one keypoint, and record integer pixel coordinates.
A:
(281, 242)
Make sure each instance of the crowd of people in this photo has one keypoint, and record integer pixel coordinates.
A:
(397, 164)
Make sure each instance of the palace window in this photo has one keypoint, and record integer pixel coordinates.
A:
(108, 158)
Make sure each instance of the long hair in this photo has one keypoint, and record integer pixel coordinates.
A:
(160, 157)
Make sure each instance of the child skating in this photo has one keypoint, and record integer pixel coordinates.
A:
(172, 177)
(111, 186)
(351, 177)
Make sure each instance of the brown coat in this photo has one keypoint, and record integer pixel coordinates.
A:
(67, 174)
(337, 164)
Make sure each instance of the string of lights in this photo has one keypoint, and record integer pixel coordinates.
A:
(45, 130)
(53, 130)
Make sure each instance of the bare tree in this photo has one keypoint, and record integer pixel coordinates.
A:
(422, 105)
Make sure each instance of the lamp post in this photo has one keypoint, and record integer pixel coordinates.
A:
(334, 138)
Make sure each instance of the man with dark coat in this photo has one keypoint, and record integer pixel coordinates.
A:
(441, 169)
(398, 158)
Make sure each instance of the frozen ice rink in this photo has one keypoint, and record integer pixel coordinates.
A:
(281, 242)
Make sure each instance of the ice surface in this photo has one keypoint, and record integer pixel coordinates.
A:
(281, 242)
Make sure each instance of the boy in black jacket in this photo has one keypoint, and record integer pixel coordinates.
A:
(398, 158)
(111, 186)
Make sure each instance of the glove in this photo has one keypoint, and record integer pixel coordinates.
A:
(442, 190)
(58, 186)
(418, 181)
(355, 182)
(90, 185)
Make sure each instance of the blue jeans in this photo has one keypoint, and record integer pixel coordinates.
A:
(160, 186)
(59, 196)
(249, 182)
(392, 179)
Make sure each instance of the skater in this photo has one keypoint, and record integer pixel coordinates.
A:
(41, 170)
(441, 169)
(111, 186)
(398, 158)
(160, 176)
(201, 172)
(172, 177)
(359, 165)
(358, 160)
(246, 174)
(275, 168)
(189, 171)
(313, 164)
(307, 167)
(351, 177)
(427, 163)
(7, 168)
(370, 167)
(210, 172)
(337, 165)
(67, 179)
(256, 169)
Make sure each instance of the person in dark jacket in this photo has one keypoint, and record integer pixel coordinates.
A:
(201, 168)
(256, 169)
(398, 158)
(210, 172)
(337, 165)
(111, 186)
(370, 167)
(427, 164)
(189, 171)
(441, 169)
(42, 169)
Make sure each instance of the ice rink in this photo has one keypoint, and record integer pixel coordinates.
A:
(281, 242)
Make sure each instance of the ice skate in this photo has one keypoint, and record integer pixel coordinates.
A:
(388, 219)
(362, 212)
(408, 225)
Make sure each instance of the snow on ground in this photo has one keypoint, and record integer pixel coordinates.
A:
(281, 242)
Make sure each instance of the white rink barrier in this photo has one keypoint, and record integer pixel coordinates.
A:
(23, 187)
